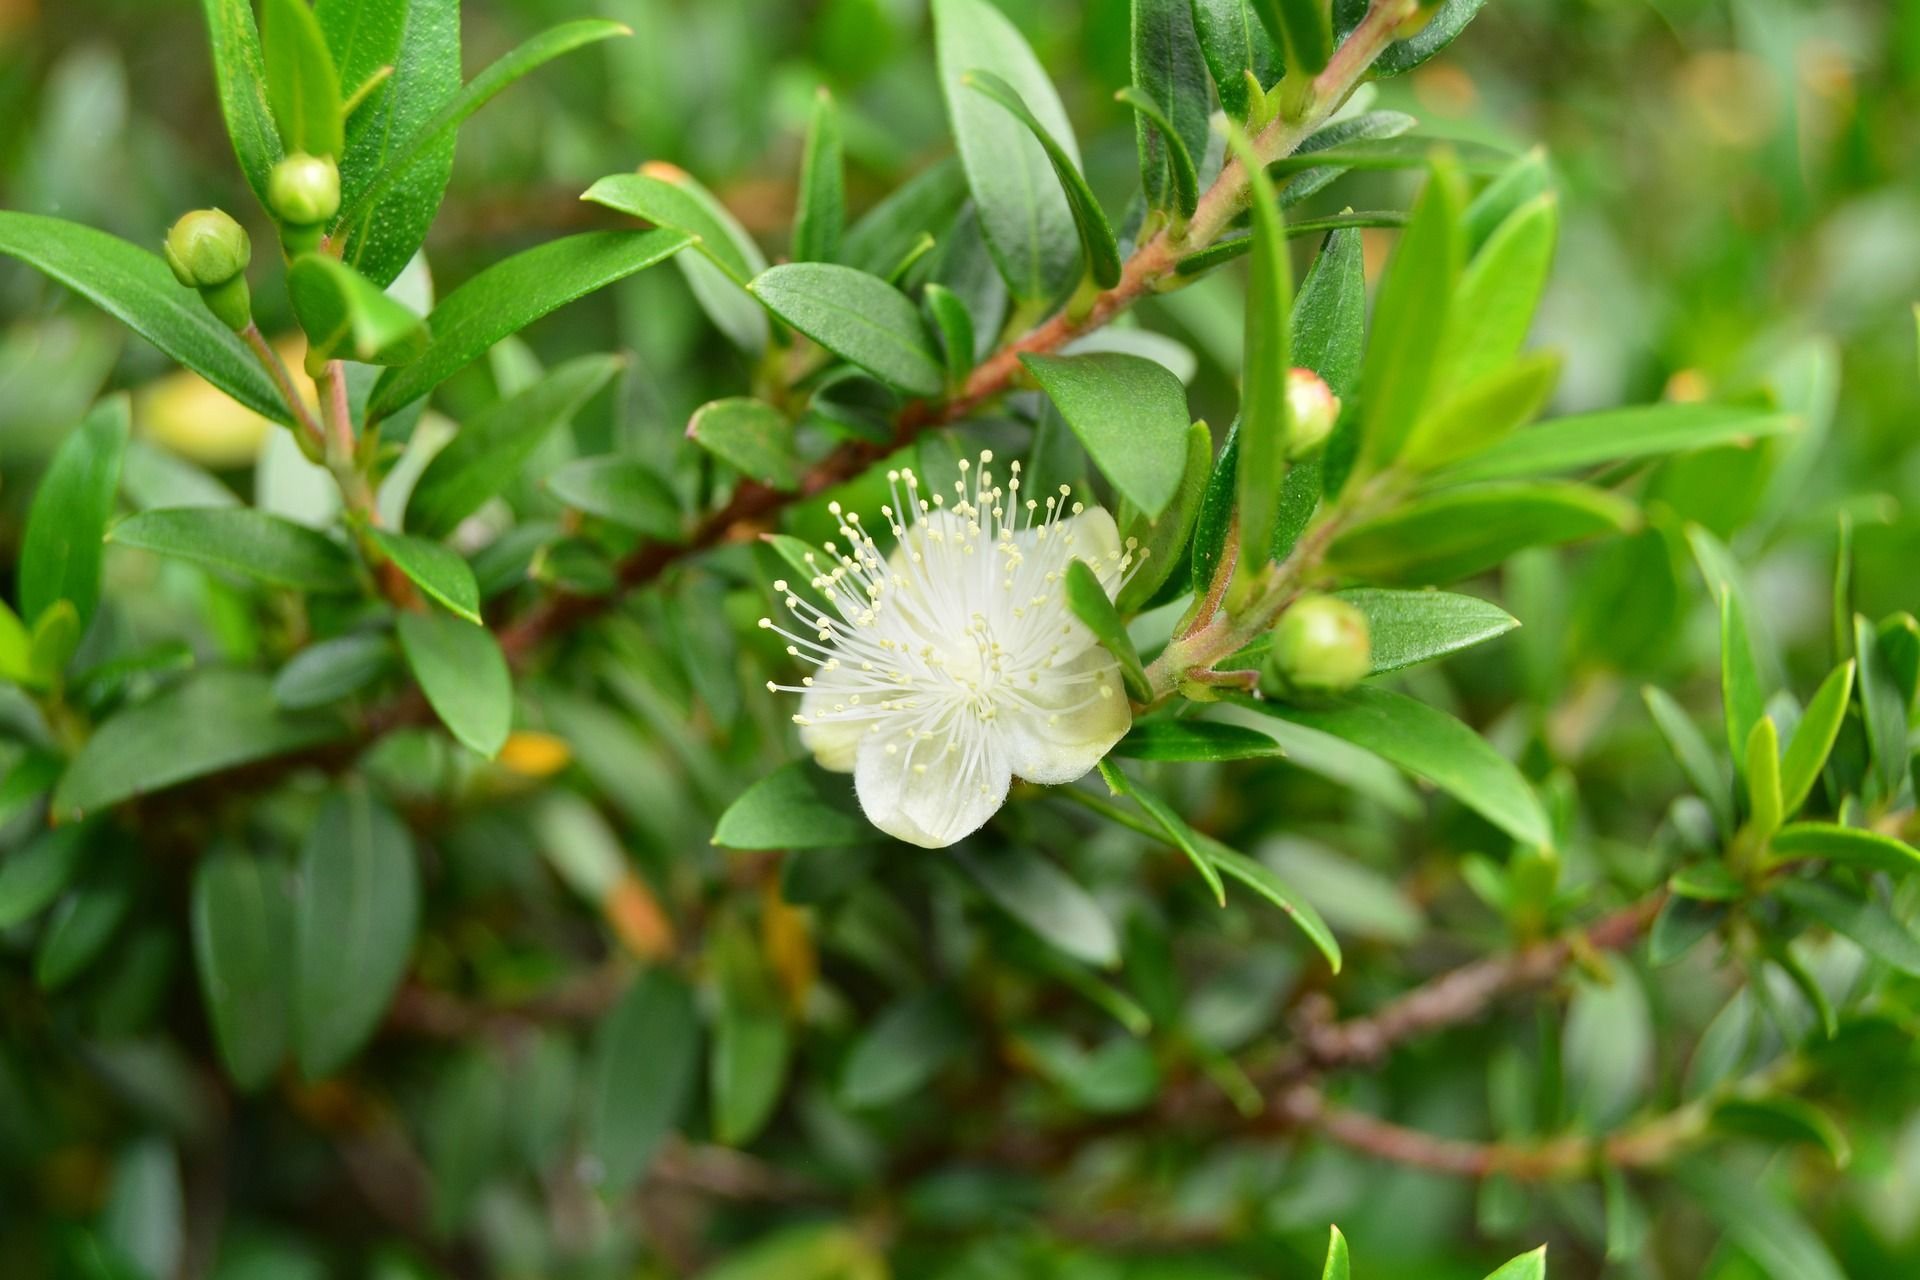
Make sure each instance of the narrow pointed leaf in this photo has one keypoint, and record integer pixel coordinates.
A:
(303, 88)
(463, 675)
(1089, 220)
(822, 212)
(1169, 95)
(1615, 436)
(436, 569)
(60, 551)
(240, 73)
(1090, 603)
(1813, 738)
(1177, 832)
(245, 541)
(1265, 426)
(242, 916)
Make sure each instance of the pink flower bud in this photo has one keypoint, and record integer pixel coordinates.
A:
(1313, 408)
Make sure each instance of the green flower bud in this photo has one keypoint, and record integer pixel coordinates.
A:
(1312, 408)
(207, 248)
(1320, 646)
(304, 190)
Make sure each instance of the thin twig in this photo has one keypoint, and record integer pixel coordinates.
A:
(277, 370)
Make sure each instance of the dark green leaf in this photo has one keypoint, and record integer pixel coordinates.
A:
(242, 918)
(1300, 27)
(464, 676)
(1044, 898)
(858, 317)
(1175, 828)
(646, 1059)
(751, 436)
(1695, 757)
(1089, 220)
(1458, 533)
(954, 323)
(239, 70)
(347, 316)
(1162, 542)
(358, 909)
(80, 928)
(1783, 1119)
(1410, 627)
(1372, 151)
(1210, 527)
(1129, 412)
(1090, 603)
(243, 541)
(1169, 93)
(1883, 705)
(623, 490)
(511, 295)
(60, 552)
(1330, 313)
(1343, 138)
(331, 670)
(1235, 44)
(1166, 739)
(1028, 225)
(436, 569)
(1230, 247)
(211, 721)
(1618, 435)
(493, 445)
(751, 1051)
(902, 1049)
(822, 211)
(31, 877)
(303, 89)
(1431, 745)
(1448, 19)
(1766, 1228)
(1265, 427)
(797, 806)
(1848, 846)
(1264, 881)
(1865, 920)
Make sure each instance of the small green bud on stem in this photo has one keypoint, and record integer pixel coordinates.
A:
(304, 193)
(1312, 409)
(209, 251)
(1320, 646)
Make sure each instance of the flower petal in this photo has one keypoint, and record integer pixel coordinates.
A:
(1064, 725)
(833, 738)
(926, 794)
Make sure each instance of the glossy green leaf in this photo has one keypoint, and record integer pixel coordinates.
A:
(1762, 776)
(211, 721)
(1169, 96)
(38, 872)
(1089, 220)
(1228, 248)
(346, 316)
(1171, 824)
(1483, 415)
(463, 674)
(646, 1059)
(1089, 601)
(511, 295)
(333, 669)
(1163, 542)
(1263, 880)
(954, 325)
(1448, 19)
(423, 143)
(1339, 1263)
(1740, 693)
(1235, 45)
(435, 568)
(1411, 316)
(60, 551)
(357, 912)
(1430, 745)
(1211, 526)
(858, 317)
(623, 490)
(822, 212)
(1813, 738)
(751, 436)
(420, 40)
(1329, 313)
(303, 89)
(797, 806)
(1167, 739)
(240, 73)
(1528, 1266)
(1343, 140)
(1302, 28)
(1369, 151)
(1411, 627)
(1848, 846)
(1265, 434)
(1048, 901)
(1129, 412)
(242, 917)
(492, 446)
(1615, 436)
(246, 542)
(1863, 919)
(1500, 291)
(1028, 225)
(1461, 532)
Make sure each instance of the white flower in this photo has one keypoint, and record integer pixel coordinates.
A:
(955, 663)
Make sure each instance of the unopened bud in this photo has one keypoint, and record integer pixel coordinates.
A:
(1320, 646)
(1312, 409)
(304, 190)
(209, 251)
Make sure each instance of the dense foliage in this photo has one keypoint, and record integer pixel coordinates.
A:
(970, 639)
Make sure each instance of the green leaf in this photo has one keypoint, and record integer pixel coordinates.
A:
(954, 323)
(1235, 46)
(1500, 291)
(1783, 1119)
(1165, 739)
(1365, 136)
(822, 211)
(1883, 706)
(496, 443)
(1177, 832)
(1740, 693)
(1768, 1229)
(751, 436)
(1230, 247)
(1169, 95)
(242, 918)
(858, 317)
(1407, 628)
(924, 204)
(1339, 1264)
(359, 907)
(1163, 542)
(1430, 745)
(1411, 316)
(244, 541)
(211, 721)
(56, 638)
(1089, 220)
(347, 316)
(1129, 412)
(1461, 532)
(751, 1052)
(80, 928)
(138, 289)
(1813, 738)
(1448, 19)
(144, 1217)
(1695, 757)
(902, 1049)
(331, 670)
(1483, 415)
(60, 551)
(623, 490)
(1210, 527)
(646, 1058)
(1865, 920)
(420, 40)
(1330, 312)
(1024, 215)
(31, 877)
(16, 647)
(1763, 778)
(1048, 901)
(1528, 1266)
(1089, 602)
(1265, 427)
(511, 295)
(797, 806)
(1708, 882)
(423, 143)
(1848, 846)
(1263, 880)
(240, 73)
(436, 569)
(464, 676)
(1615, 436)
(302, 87)
(1301, 28)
